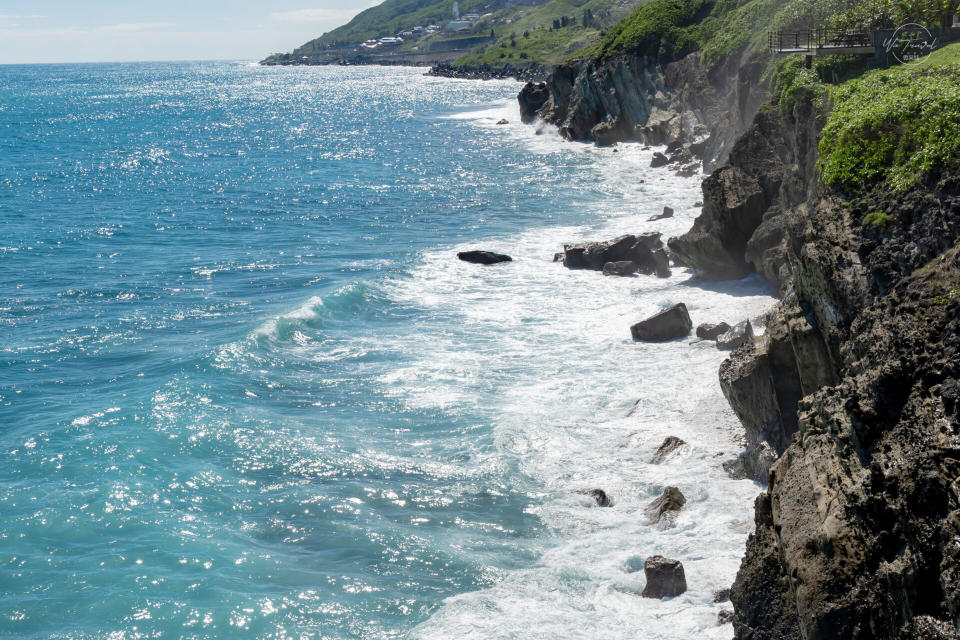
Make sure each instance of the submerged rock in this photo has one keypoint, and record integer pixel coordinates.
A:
(600, 497)
(622, 268)
(663, 510)
(659, 160)
(667, 213)
(483, 257)
(712, 331)
(665, 578)
(725, 617)
(670, 445)
(736, 337)
(503, 121)
(721, 596)
(667, 325)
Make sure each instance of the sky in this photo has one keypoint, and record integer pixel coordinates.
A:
(43, 31)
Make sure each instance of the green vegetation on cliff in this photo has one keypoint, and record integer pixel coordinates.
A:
(898, 126)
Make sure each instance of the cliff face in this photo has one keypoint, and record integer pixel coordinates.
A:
(640, 98)
(850, 399)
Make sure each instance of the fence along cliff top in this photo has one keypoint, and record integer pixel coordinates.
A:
(822, 42)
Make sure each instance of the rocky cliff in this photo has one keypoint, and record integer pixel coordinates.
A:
(850, 399)
(706, 106)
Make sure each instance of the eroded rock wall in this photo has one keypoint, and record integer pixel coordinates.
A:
(641, 98)
(850, 399)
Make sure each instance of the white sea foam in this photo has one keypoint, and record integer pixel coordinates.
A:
(561, 374)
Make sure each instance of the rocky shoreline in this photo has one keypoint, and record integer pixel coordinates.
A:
(531, 72)
(849, 400)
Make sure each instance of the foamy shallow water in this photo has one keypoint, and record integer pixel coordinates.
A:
(250, 391)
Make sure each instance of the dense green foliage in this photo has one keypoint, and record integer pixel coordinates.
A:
(896, 127)
(662, 28)
(877, 219)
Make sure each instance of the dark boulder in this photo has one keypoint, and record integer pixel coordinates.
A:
(600, 497)
(670, 444)
(733, 209)
(665, 578)
(651, 240)
(736, 337)
(712, 331)
(659, 160)
(558, 257)
(661, 264)
(483, 257)
(667, 213)
(664, 509)
(503, 121)
(532, 97)
(725, 617)
(594, 255)
(721, 596)
(622, 268)
(667, 325)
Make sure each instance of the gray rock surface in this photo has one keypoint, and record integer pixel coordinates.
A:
(712, 331)
(622, 268)
(532, 97)
(669, 324)
(664, 509)
(736, 337)
(665, 578)
(670, 445)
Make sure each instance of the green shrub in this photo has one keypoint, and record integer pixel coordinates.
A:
(898, 127)
(877, 219)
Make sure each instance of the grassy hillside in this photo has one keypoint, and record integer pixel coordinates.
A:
(394, 16)
(534, 34)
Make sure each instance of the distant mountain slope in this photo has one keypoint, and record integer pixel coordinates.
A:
(394, 16)
(494, 33)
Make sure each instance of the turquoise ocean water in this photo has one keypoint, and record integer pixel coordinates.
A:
(247, 391)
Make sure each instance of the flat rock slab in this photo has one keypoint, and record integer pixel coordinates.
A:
(483, 257)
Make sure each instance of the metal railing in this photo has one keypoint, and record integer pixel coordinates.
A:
(812, 40)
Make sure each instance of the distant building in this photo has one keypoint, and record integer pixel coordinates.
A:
(390, 41)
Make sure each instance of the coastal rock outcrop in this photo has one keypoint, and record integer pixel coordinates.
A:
(712, 331)
(686, 102)
(736, 337)
(665, 578)
(669, 324)
(532, 98)
(665, 450)
(642, 250)
(849, 400)
(483, 257)
(663, 510)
